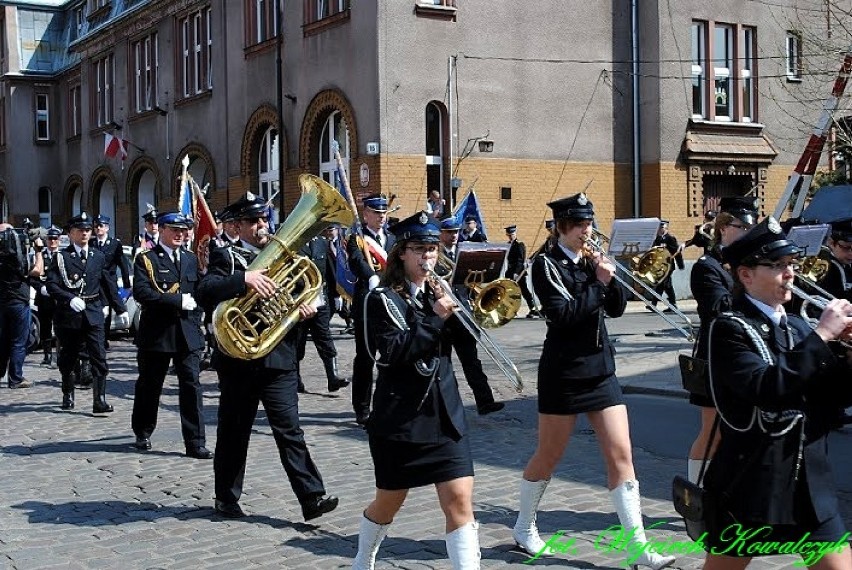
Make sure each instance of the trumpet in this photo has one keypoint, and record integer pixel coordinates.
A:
(491, 348)
(820, 303)
(686, 329)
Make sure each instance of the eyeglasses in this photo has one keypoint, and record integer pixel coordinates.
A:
(421, 249)
(781, 265)
(739, 226)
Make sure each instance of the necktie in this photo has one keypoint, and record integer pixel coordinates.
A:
(176, 260)
(787, 339)
(83, 255)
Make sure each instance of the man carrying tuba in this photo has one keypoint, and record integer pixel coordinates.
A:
(272, 379)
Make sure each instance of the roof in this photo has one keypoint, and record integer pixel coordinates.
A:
(725, 146)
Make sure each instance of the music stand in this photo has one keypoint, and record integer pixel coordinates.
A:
(479, 262)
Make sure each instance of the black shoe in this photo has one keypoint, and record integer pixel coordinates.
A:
(200, 453)
(46, 361)
(301, 389)
(22, 384)
(486, 409)
(68, 401)
(337, 384)
(319, 506)
(361, 419)
(142, 444)
(229, 510)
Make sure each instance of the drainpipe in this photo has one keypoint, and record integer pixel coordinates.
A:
(634, 44)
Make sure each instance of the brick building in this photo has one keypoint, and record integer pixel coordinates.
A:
(410, 88)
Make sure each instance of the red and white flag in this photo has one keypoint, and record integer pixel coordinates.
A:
(205, 227)
(115, 146)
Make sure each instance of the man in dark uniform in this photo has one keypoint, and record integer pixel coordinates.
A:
(703, 236)
(838, 280)
(666, 239)
(148, 238)
(471, 232)
(115, 262)
(516, 261)
(463, 342)
(317, 251)
(272, 379)
(367, 257)
(75, 280)
(164, 281)
(45, 303)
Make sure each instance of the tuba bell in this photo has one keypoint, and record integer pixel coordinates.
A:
(250, 327)
(653, 266)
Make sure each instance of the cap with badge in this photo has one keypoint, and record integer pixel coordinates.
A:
(376, 202)
(150, 214)
(765, 241)
(743, 208)
(420, 227)
(249, 206)
(511, 229)
(102, 220)
(576, 207)
(81, 221)
(450, 225)
(664, 223)
(842, 230)
(53, 231)
(175, 220)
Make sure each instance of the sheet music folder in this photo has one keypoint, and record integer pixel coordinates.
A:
(485, 261)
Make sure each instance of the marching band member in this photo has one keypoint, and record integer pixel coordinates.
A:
(577, 374)
(149, 238)
(774, 381)
(417, 426)
(45, 303)
(366, 265)
(838, 280)
(272, 379)
(164, 283)
(711, 284)
(75, 280)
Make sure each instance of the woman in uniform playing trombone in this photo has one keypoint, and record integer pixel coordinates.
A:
(577, 374)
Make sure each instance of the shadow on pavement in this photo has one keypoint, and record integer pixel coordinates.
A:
(115, 444)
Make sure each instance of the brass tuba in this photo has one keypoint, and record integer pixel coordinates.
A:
(250, 327)
(653, 266)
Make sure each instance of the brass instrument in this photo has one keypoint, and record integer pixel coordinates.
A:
(813, 269)
(250, 327)
(506, 366)
(653, 267)
(818, 302)
(594, 246)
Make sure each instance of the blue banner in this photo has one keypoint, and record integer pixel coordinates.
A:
(469, 207)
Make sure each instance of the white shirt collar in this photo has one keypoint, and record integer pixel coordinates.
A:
(413, 289)
(770, 312)
(80, 250)
(571, 254)
(247, 246)
(169, 251)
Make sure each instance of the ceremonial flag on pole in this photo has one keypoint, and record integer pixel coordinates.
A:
(205, 225)
(345, 278)
(469, 207)
(185, 200)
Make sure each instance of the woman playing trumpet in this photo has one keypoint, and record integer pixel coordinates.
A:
(417, 426)
(577, 374)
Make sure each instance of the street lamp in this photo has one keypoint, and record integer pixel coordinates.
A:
(484, 144)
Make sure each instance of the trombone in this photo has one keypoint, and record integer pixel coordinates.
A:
(686, 329)
(506, 366)
(819, 303)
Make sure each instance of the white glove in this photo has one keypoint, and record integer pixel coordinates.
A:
(43, 291)
(106, 310)
(78, 304)
(373, 282)
(338, 304)
(187, 303)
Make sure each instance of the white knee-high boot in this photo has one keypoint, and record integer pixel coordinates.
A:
(628, 505)
(525, 531)
(463, 547)
(693, 468)
(370, 536)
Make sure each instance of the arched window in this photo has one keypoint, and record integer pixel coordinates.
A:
(268, 168)
(44, 219)
(77, 200)
(335, 129)
(4, 208)
(106, 201)
(434, 149)
(145, 194)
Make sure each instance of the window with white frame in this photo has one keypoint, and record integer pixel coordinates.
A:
(723, 72)
(434, 149)
(44, 207)
(196, 44)
(267, 165)
(42, 117)
(793, 57)
(75, 112)
(104, 72)
(316, 10)
(97, 4)
(79, 22)
(334, 130)
(145, 73)
(262, 20)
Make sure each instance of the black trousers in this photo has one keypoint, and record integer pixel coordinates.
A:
(242, 388)
(666, 287)
(320, 334)
(465, 347)
(362, 370)
(525, 292)
(88, 340)
(153, 367)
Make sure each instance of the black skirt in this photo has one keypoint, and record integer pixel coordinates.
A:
(405, 465)
(564, 396)
(701, 401)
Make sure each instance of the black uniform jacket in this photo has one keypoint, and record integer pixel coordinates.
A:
(711, 285)
(404, 333)
(670, 243)
(224, 280)
(317, 251)
(838, 280)
(477, 236)
(754, 471)
(515, 259)
(44, 302)
(361, 268)
(115, 261)
(163, 322)
(574, 301)
(95, 279)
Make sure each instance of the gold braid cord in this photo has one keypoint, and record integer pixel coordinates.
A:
(149, 267)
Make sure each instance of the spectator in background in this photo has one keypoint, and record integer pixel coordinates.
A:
(435, 205)
(471, 231)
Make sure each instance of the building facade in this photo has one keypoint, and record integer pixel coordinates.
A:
(654, 113)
